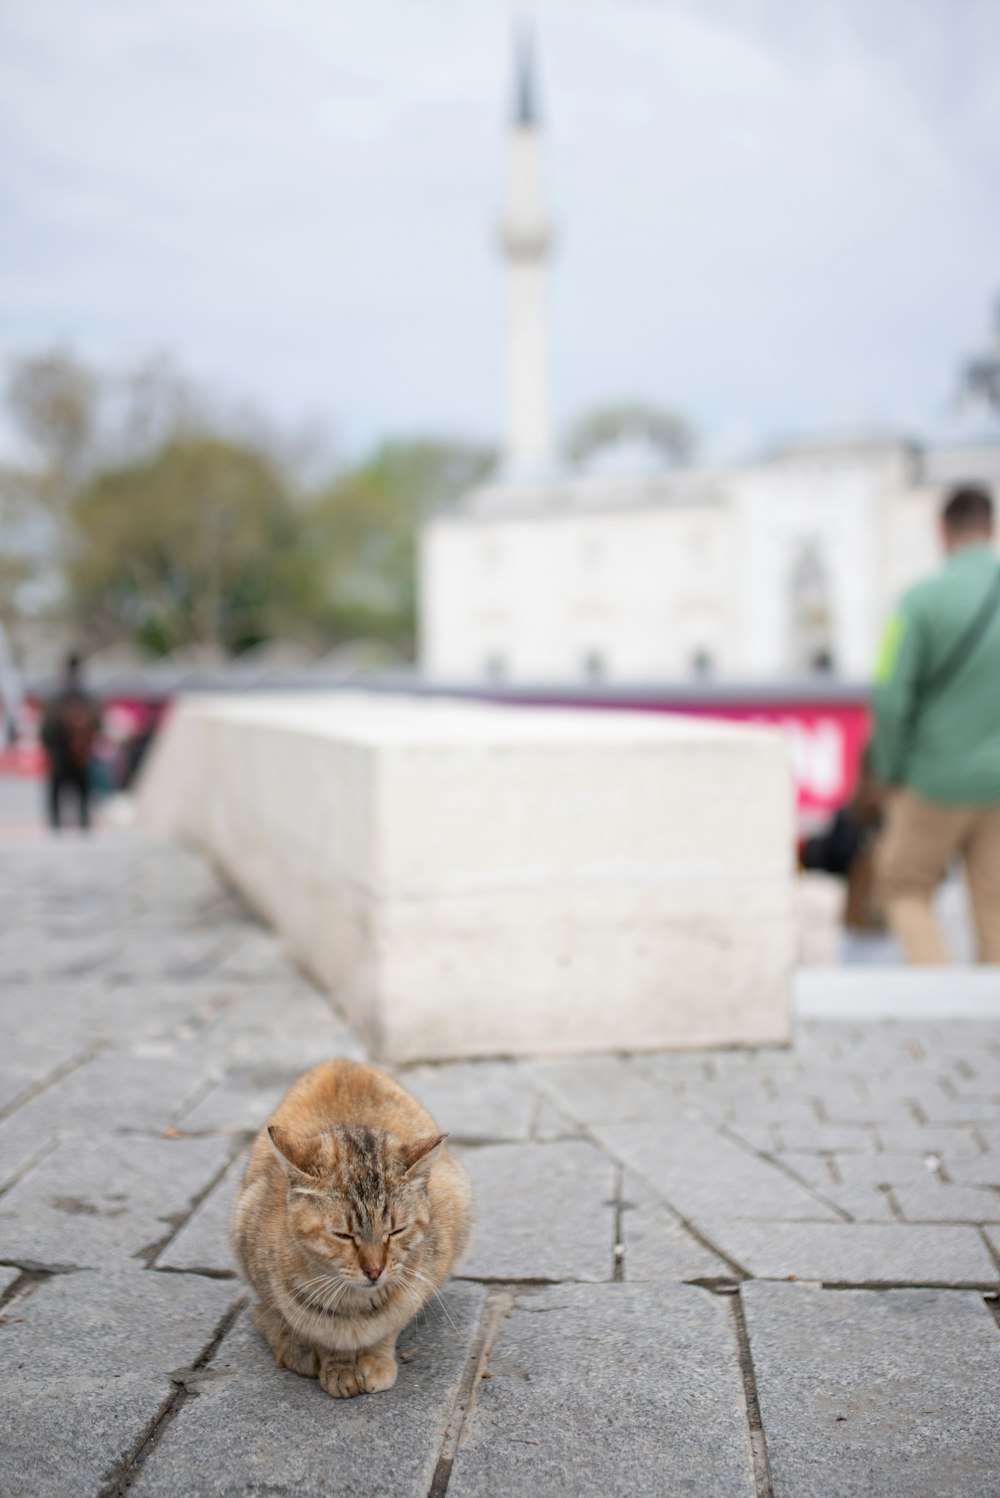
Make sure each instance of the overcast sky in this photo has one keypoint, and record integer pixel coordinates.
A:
(774, 215)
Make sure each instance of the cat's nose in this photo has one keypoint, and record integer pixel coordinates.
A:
(373, 1273)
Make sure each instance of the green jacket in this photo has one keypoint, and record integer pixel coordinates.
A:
(948, 748)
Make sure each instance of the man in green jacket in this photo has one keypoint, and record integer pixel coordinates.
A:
(937, 737)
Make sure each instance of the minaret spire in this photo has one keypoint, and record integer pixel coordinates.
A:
(525, 238)
(525, 96)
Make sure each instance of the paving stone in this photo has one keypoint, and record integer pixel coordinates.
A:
(864, 1393)
(138, 1086)
(99, 1200)
(827, 1137)
(476, 1099)
(610, 1391)
(933, 1201)
(87, 1361)
(701, 1173)
(943, 1109)
(543, 1212)
(778, 1112)
(8, 1276)
(552, 1123)
(203, 1241)
(242, 1100)
(605, 1089)
(763, 1139)
(891, 1112)
(79, 957)
(811, 1168)
(883, 1169)
(863, 1203)
(24, 1141)
(958, 1142)
(256, 1429)
(984, 1171)
(28, 1065)
(656, 1246)
(992, 1235)
(849, 1253)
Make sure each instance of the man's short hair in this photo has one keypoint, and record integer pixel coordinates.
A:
(967, 510)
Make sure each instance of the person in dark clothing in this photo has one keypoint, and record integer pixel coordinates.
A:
(69, 731)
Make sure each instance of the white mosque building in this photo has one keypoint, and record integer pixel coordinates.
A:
(633, 572)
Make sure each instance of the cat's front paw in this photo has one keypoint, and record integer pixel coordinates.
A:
(368, 1373)
(340, 1379)
(377, 1370)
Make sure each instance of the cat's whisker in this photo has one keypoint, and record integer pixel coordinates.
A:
(438, 1296)
(445, 1309)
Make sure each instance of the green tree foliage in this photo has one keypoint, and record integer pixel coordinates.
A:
(154, 520)
(365, 525)
(200, 543)
(665, 430)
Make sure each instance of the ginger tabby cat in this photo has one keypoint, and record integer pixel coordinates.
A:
(351, 1214)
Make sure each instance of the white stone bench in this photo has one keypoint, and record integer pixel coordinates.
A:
(470, 880)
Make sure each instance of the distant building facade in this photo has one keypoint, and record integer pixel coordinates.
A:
(783, 568)
(778, 569)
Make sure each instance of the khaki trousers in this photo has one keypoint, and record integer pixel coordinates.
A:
(920, 840)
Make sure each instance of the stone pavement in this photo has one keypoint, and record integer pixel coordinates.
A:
(706, 1273)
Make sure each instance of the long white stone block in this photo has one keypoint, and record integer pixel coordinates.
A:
(477, 880)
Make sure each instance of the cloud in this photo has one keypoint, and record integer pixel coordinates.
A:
(770, 213)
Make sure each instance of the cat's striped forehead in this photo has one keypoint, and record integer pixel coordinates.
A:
(365, 1173)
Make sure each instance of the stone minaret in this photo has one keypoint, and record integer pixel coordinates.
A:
(525, 238)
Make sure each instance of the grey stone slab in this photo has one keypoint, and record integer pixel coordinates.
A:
(984, 1171)
(88, 1361)
(476, 1099)
(255, 1429)
(203, 1242)
(701, 1173)
(992, 1235)
(959, 1142)
(25, 1139)
(863, 1203)
(854, 1253)
(763, 1139)
(70, 957)
(610, 1391)
(845, 1108)
(543, 1212)
(825, 1137)
(605, 1089)
(552, 1123)
(788, 1114)
(134, 1087)
(169, 954)
(27, 1066)
(256, 955)
(933, 1201)
(243, 1100)
(812, 1168)
(656, 1246)
(864, 1393)
(7, 1278)
(99, 1199)
(883, 1169)
(942, 1109)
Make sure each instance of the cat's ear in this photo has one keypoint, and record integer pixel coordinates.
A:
(419, 1156)
(296, 1150)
